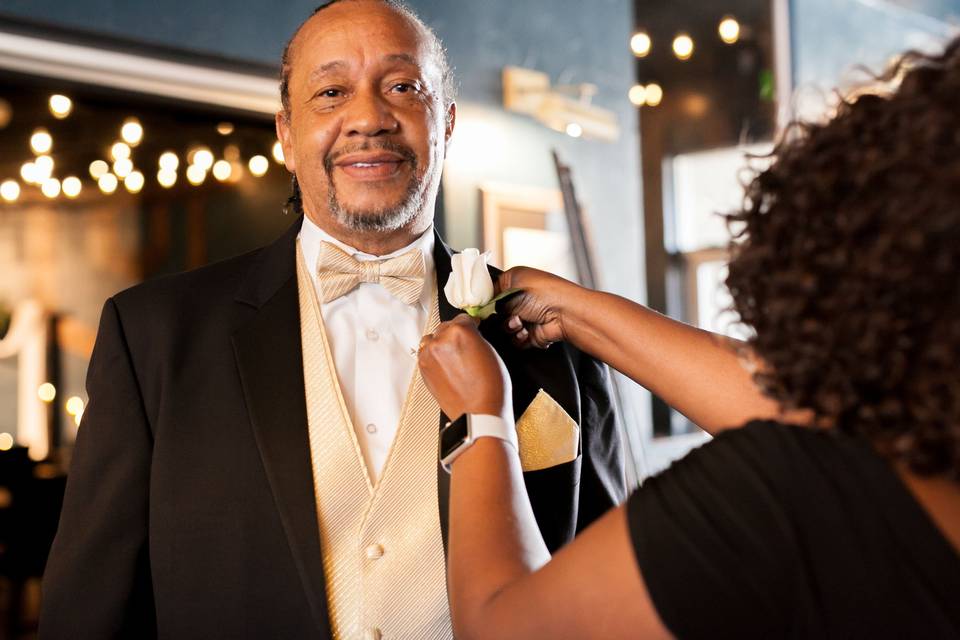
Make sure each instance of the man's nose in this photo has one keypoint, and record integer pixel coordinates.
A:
(370, 114)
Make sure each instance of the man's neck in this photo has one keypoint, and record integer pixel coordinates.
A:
(374, 243)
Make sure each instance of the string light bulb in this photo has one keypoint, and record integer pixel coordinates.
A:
(641, 44)
(638, 95)
(278, 152)
(29, 172)
(10, 190)
(60, 106)
(50, 188)
(120, 151)
(202, 157)
(258, 165)
(71, 186)
(123, 167)
(729, 30)
(131, 132)
(41, 141)
(683, 46)
(44, 168)
(98, 168)
(74, 405)
(654, 94)
(196, 175)
(222, 170)
(134, 182)
(108, 183)
(169, 161)
(6, 441)
(47, 392)
(167, 178)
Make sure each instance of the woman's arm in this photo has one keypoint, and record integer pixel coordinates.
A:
(502, 581)
(501, 585)
(702, 375)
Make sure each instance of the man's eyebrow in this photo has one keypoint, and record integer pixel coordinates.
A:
(403, 57)
(327, 67)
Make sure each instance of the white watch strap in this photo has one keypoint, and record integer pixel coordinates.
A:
(493, 427)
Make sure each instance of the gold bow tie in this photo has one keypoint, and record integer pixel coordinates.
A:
(339, 273)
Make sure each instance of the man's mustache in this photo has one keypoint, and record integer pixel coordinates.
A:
(403, 151)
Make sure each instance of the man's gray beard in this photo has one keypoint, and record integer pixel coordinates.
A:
(383, 220)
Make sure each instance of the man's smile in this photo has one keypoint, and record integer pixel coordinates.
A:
(371, 165)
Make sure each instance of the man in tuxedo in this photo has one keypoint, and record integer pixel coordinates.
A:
(258, 457)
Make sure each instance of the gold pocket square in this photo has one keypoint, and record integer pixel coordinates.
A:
(548, 436)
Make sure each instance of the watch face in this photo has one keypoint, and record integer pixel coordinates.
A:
(453, 436)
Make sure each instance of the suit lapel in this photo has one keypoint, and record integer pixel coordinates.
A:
(442, 264)
(270, 361)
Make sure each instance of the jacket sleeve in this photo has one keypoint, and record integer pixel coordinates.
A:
(602, 476)
(97, 581)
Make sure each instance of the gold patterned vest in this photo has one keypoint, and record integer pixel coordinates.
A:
(382, 550)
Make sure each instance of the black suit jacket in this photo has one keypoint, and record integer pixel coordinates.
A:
(189, 510)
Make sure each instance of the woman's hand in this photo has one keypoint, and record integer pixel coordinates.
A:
(536, 314)
(463, 372)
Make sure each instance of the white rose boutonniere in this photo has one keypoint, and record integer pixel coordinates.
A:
(470, 286)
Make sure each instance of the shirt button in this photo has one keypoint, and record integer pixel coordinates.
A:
(373, 634)
(371, 428)
(374, 552)
(372, 335)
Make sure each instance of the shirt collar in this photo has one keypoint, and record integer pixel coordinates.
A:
(311, 237)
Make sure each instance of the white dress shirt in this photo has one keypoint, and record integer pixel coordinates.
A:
(374, 339)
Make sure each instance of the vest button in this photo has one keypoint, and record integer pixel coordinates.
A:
(372, 335)
(375, 552)
(373, 634)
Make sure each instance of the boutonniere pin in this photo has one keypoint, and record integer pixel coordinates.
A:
(470, 287)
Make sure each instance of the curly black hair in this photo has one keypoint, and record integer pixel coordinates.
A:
(847, 266)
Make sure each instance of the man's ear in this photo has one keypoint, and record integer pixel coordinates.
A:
(451, 121)
(285, 136)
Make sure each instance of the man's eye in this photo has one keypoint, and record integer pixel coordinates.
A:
(330, 93)
(404, 87)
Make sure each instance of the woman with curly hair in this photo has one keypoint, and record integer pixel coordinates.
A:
(828, 504)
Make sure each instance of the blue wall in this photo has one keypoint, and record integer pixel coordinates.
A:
(573, 41)
(831, 37)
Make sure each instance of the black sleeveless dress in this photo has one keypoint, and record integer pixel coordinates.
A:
(773, 531)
